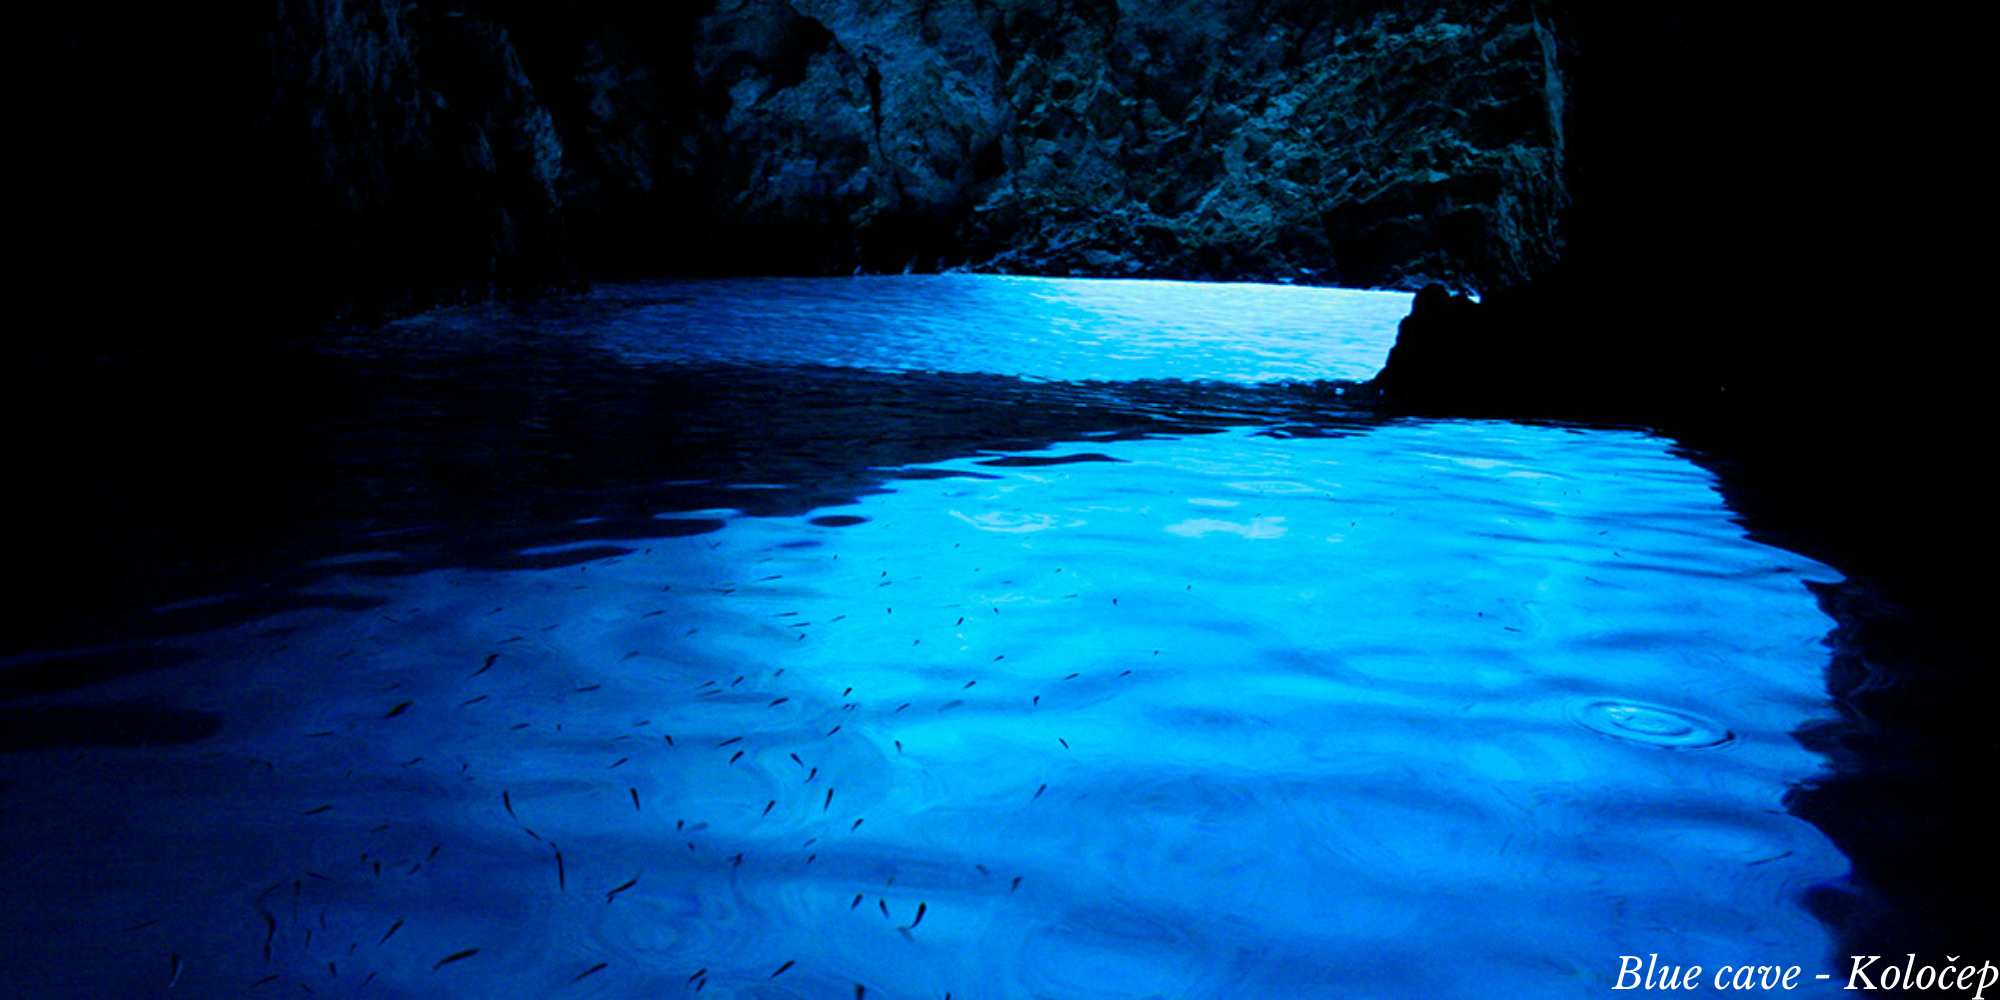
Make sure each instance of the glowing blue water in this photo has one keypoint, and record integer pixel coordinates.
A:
(1260, 701)
(1031, 327)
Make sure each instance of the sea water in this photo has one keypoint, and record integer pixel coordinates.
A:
(984, 637)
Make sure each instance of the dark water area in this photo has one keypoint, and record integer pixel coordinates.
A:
(1002, 637)
(462, 437)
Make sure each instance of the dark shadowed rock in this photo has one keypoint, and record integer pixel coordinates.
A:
(306, 160)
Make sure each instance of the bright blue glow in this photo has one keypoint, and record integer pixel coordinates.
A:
(1042, 328)
(1411, 709)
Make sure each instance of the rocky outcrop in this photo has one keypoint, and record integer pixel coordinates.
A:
(411, 144)
(1371, 145)
(316, 156)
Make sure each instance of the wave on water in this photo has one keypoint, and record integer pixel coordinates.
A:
(1002, 638)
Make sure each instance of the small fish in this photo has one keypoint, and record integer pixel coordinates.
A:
(398, 710)
(670, 738)
(393, 928)
(796, 760)
(777, 702)
(508, 800)
(1016, 885)
(782, 968)
(921, 907)
(266, 981)
(884, 904)
(857, 901)
(635, 798)
(621, 760)
(315, 812)
(179, 967)
(562, 879)
(490, 657)
(472, 701)
(828, 804)
(455, 957)
(613, 894)
(1064, 742)
(698, 973)
(856, 826)
(736, 756)
(599, 967)
(1039, 791)
(588, 687)
(732, 739)
(141, 925)
(768, 806)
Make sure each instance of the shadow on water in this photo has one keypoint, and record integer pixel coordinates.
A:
(1910, 750)
(211, 491)
(168, 499)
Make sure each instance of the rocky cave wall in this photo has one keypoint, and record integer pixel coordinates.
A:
(321, 156)
(1359, 144)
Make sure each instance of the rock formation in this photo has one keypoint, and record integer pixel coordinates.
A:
(326, 155)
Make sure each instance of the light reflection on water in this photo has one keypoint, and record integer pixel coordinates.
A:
(1037, 328)
(1214, 692)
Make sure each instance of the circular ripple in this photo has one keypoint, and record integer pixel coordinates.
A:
(1654, 725)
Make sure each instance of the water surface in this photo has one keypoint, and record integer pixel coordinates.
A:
(1004, 638)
